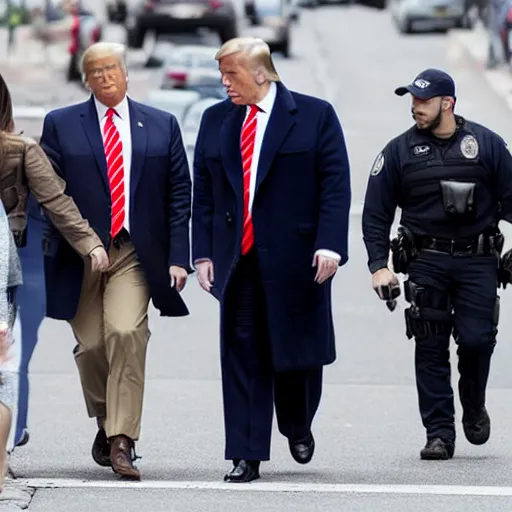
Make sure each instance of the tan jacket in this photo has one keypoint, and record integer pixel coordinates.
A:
(25, 168)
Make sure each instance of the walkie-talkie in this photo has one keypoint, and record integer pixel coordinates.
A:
(390, 294)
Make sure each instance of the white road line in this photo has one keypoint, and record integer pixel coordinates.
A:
(273, 487)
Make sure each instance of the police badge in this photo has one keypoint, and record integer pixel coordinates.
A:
(469, 147)
(377, 165)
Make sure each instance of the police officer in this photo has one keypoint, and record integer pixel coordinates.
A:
(452, 179)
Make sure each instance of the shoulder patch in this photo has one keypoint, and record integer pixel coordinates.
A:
(378, 164)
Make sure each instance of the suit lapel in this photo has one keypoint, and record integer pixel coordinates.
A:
(230, 147)
(139, 145)
(279, 125)
(92, 130)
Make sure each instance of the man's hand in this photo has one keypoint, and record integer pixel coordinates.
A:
(178, 277)
(205, 275)
(325, 268)
(99, 259)
(382, 279)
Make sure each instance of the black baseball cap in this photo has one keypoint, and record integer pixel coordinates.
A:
(429, 84)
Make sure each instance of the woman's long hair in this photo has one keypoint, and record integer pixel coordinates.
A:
(6, 115)
(6, 119)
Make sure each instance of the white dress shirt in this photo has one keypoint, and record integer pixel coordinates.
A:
(122, 122)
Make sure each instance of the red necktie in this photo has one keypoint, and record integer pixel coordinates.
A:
(115, 170)
(247, 148)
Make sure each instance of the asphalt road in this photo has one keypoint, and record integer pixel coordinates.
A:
(368, 430)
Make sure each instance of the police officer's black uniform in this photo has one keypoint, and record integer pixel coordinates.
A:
(452, 193)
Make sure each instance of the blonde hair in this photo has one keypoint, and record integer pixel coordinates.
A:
(255, 49)
(103, 49)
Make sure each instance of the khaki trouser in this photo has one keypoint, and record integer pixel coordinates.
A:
(111, 328)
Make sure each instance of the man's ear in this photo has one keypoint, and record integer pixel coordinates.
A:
(260, 76)
(448, 103)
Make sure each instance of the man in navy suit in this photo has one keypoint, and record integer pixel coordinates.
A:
(126, 169)
(270, 228)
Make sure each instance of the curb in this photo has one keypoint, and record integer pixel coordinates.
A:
(474, 42)
(16, 496)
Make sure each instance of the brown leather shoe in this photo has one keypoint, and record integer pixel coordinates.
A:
(121, 448)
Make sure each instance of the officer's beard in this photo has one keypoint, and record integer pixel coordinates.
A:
(432, 125)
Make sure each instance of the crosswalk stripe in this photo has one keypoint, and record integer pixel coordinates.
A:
(274, 487)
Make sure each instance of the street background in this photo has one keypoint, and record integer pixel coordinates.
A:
(368, 431)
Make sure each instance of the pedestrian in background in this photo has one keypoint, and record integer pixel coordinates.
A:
(270, 229)
(14, 18)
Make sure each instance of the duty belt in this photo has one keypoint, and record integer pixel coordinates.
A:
(481, 245)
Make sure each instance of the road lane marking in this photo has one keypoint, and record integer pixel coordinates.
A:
(271, 487)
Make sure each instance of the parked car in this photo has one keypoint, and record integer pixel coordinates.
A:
(272, 23)
(193, 67)
(176, 102)
(408, 15)
(159, 53)
(171, 16)
(192, 120)
(250, 12)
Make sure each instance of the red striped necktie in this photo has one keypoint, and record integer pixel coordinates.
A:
(115, 168)
(247, 149)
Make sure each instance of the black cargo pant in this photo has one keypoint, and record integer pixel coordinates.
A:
(455, 295)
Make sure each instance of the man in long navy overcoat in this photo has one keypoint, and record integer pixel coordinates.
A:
(270, 228)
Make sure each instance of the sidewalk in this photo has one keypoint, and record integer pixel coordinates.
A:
(475, 43)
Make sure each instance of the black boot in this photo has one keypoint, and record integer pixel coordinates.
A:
(475, 419)
(437, 449)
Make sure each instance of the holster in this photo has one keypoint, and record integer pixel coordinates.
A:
(403, 250)
(505, 269)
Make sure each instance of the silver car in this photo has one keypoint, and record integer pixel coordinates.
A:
(192, 120)
(412, 15)
(175, 102)
(193, 68)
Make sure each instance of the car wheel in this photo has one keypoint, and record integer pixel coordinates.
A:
(465, 22)
(135, 37)
(405, 25)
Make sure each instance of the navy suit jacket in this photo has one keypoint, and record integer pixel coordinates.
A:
(301, 204)
(160, 200)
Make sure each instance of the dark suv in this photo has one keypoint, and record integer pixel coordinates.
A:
(177, 16)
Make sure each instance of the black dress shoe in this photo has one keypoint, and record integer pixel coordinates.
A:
(302, 451)
(477, 426)
(101, 449)
(437, 449)
(244, 472)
